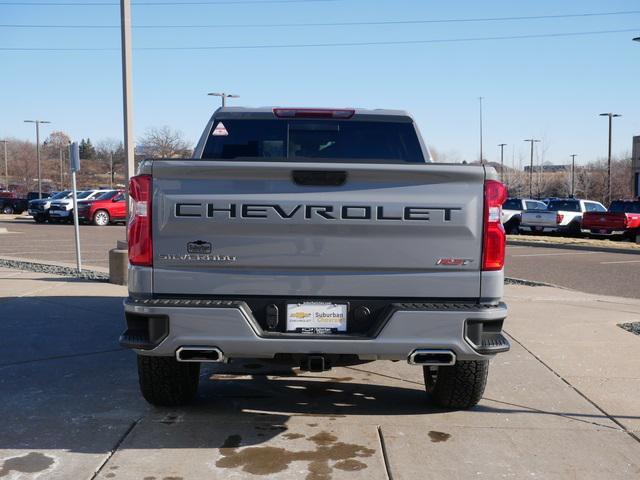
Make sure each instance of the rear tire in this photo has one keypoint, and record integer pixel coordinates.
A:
(7, 210)
(459, 386)
(512, 227)
(574, 229)
(40, 219)
(165, 382)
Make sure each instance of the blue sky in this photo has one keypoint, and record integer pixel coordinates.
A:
(548, 88)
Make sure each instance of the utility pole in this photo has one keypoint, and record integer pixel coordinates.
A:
(611, 117)
(223, 96)
(531, 141)
(127, 93)
(6, 163)
(61, 172)
(111, 169)
(38, 122)
(480, 102)
(573, 174)
(502, 145)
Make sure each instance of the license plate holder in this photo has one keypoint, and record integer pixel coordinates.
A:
(320, 318)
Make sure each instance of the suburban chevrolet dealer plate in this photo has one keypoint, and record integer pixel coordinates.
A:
(312, 317)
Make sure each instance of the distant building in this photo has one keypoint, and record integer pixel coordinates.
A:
(549, 168)
(635, 165)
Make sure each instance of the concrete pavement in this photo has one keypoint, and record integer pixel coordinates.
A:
(562, 404)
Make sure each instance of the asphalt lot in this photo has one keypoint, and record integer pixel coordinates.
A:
(592, 272)
(55, 242)
(557, 406)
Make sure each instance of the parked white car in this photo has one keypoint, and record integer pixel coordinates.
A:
(63, 209)
(512, 212)
(561, 215)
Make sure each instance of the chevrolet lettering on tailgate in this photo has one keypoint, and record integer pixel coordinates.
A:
(307, 212)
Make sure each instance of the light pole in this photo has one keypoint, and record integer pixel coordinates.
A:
(61, 171)
(38, 122)
(223, 96)
(127, 95)
(6, 163)
(573, 174)
(502, 145)
(611, 117)
(531, 141)
(480, 104)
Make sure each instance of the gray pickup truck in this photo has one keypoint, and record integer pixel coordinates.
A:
(318, 238)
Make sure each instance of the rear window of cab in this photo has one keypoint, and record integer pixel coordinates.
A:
(297, 140)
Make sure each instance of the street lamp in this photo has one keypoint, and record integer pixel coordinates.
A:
(38, 122)
(502, 145)
(573, 174)
(611, 117)
(223, 96)
(531, 141)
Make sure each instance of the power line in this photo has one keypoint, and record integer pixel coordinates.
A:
(323, 45)
(202, 2)
(337, 24)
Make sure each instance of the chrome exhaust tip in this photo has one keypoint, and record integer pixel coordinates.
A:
(200, 354)
(432, 357)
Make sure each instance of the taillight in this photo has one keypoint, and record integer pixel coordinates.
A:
(313, 113)
(559, 218)
(139, 226)
(493, 242)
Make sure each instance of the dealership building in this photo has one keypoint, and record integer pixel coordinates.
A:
(635, 165)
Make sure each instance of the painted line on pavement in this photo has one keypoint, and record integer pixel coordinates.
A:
(621, 261)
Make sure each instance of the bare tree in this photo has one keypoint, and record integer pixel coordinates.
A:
(164, 142)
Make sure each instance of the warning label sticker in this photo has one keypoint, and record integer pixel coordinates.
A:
(220, 130)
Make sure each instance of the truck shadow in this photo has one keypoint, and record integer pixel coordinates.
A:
(67, 386)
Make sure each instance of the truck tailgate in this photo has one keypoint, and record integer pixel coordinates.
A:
(539, 219)
(247, 228)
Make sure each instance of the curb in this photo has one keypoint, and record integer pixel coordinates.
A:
(566, 246)
(530, 283)
(54, 269)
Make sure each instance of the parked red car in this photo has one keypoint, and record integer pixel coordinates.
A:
(622, 219)
(109, 207)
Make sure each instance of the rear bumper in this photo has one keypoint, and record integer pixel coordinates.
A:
(539, 228)
(604, 231)
(161, 327)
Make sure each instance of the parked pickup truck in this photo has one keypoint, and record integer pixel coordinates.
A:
(622, 219)
(512, 212)
(318, 238)
(561, 215)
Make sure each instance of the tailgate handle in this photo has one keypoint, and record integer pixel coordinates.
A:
(331, 178)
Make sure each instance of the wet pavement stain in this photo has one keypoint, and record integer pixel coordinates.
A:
(110, 475)
(169, 419)
(293, 436)
(437, 437)
(350, 465)
(312, 424)
(268, 460)
(32, 462)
